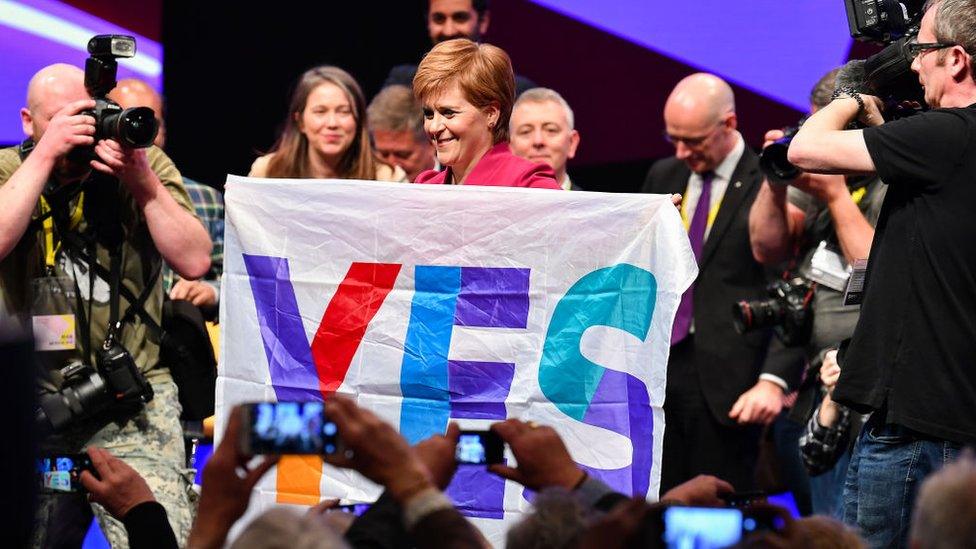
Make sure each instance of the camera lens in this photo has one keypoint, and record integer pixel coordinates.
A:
(754, 315)
(135, 127)
(774, 163)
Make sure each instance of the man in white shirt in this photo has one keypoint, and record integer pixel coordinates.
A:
(717, 394)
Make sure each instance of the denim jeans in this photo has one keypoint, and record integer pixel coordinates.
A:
(827, 489)
(887, 468)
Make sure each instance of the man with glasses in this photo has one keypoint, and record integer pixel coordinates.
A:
(910, 361)
(716, 393)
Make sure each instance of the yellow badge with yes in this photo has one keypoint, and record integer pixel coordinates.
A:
(54, 332)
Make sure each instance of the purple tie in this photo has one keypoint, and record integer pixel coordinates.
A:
(696, 234)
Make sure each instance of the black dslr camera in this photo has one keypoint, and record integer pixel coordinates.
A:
(773, 161)
(115, 386)
(136, 127)
(787, 310)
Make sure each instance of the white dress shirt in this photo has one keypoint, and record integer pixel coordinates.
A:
(720, 181)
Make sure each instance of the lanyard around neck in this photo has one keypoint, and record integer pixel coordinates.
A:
(50, 248)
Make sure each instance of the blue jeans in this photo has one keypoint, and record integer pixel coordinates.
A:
(888, 466)
(827, 489)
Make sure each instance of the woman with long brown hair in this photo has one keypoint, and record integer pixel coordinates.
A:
(325, 135)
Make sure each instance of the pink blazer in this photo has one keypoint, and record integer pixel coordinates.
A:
(502, 168)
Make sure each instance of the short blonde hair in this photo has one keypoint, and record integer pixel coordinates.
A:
(482, 71)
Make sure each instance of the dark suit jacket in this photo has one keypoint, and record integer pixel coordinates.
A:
(728, 363)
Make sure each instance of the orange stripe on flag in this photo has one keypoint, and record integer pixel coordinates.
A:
(299, 478)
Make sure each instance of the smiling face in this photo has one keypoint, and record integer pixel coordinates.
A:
(541, 133)
(460, 132)
(328, 122)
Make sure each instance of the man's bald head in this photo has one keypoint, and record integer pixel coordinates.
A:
(49, 90)
(700, 120)
(132, 92)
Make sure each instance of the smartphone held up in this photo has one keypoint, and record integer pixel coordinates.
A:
(61, 473)
(288, 428)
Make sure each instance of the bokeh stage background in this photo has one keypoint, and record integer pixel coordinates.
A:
(227, 69)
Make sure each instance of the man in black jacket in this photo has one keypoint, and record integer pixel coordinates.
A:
(715, 394)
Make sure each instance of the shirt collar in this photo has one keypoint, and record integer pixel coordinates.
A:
(726, 168)
(566, 183)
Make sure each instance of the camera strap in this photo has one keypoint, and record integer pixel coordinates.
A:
(116, 289)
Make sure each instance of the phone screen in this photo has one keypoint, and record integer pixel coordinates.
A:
(701, 527)
(62, 472)
(355, 508)
(291, 428)
(479, 448)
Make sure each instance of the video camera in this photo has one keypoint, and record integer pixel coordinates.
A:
(886, 74)
(135, 127)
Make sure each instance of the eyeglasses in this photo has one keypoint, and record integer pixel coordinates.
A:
(692, 142)
(915, 49)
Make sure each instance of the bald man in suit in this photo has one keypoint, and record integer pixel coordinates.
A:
(717, 394)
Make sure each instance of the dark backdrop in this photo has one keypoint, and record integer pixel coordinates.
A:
(229, 71)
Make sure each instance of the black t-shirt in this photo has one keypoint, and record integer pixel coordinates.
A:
(914, 349)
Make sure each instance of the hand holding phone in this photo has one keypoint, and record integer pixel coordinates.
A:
(543, 460)
(117, 487)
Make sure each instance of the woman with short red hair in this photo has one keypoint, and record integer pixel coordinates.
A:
(467, 91)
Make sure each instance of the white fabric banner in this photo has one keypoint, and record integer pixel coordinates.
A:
(434, 303)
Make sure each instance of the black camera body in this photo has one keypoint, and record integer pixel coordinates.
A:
(787, 310)
(888, 73)
(115, 386)
(135, 127)
(882, 21)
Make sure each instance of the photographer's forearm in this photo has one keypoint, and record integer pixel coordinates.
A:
(18, 197)
(853, 230)
(823, 145)
(771, 232)
(179, 236)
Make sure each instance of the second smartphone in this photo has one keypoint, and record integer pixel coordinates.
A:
(288, 428)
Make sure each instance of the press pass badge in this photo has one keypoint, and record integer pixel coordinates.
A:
(855, 285)
(53, 313)
(827, 267)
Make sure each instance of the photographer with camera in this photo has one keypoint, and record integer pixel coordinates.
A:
(910, 358)
(827, 222)
(85, 222)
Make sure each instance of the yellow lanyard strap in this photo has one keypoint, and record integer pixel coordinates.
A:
(50, 249)
(712, 213)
